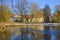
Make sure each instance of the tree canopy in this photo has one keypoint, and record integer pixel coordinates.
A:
(4, 13)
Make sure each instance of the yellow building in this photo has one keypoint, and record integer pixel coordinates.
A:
(36, 17)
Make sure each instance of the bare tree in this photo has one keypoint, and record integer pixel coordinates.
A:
(34, 8)
(22, 8)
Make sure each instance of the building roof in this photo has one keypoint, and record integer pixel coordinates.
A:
(12, 15)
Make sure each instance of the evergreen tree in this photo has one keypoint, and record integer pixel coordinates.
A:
(46, 13)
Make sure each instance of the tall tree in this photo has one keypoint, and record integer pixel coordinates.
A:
(46, 14)
(4, 13)
(56, 15)
(57, 8)
(34, 8)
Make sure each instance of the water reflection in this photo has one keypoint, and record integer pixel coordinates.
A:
(53, 37)
(28, 34)
(33, 33)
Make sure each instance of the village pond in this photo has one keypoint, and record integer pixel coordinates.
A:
(32, 33)
(35, 33)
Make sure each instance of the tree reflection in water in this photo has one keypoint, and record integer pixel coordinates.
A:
(33, 34)
(27, 35)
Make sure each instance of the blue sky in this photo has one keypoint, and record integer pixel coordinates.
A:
(42, 3)
(51, 3)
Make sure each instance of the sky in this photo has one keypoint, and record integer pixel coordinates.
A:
(42, 3)
(51, 3)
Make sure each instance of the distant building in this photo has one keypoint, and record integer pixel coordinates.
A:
(37, 18)
(17, 18)
(12, 17)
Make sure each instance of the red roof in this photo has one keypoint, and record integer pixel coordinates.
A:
(12, 15)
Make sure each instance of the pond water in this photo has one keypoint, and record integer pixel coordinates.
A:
(31, 34)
